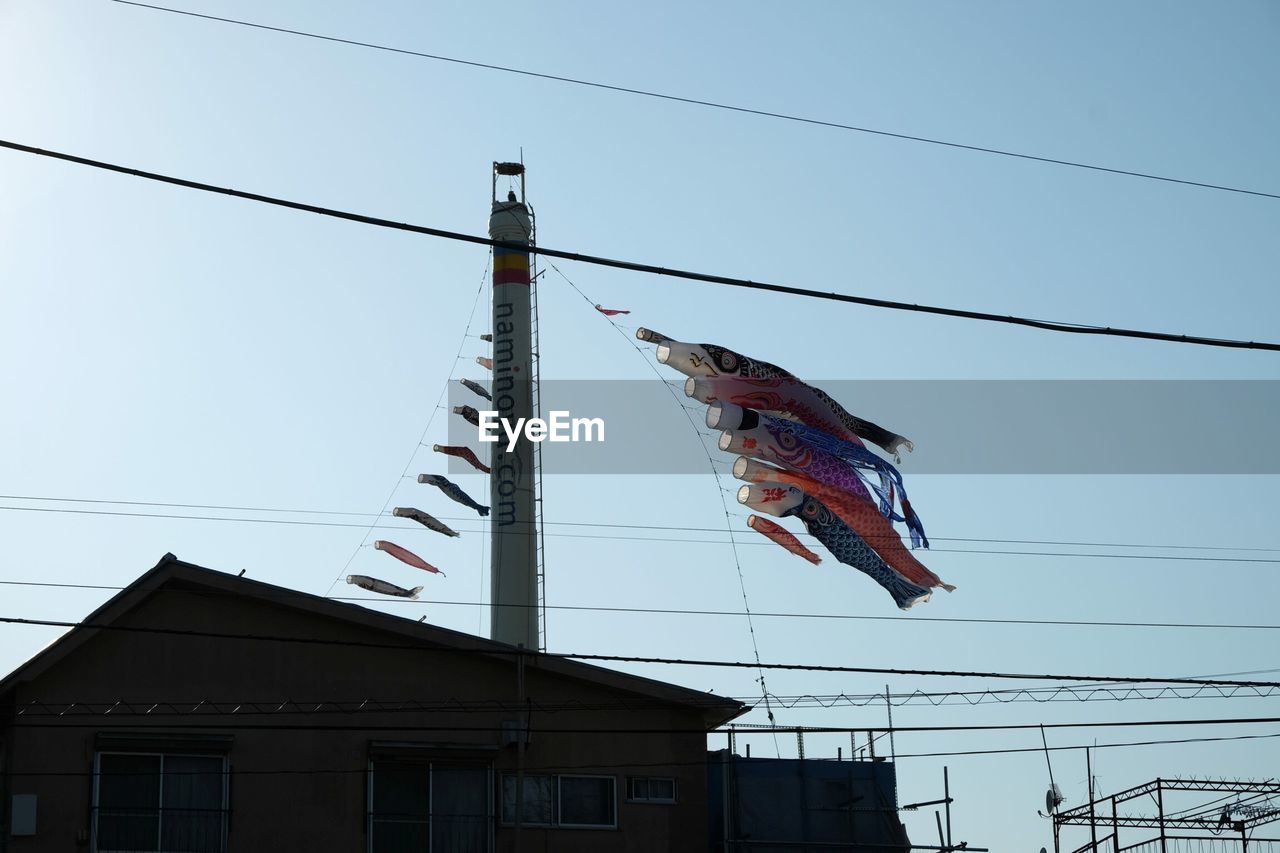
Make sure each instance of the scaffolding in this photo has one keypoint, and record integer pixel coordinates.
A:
(540, 547)
(1185, 818)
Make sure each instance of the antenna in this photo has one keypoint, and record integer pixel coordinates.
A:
(1053, 796)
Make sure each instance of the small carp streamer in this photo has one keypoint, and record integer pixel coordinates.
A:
(487, 338)
(469, 414)
(452, 491)
(375, 585)
(476, 387)
(610, 312)
(428, 521)
(485, 362)
(406, 556)
(782, 536)
(463, 453)
(780, 500)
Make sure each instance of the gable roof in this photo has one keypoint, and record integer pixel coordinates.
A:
(171, 572)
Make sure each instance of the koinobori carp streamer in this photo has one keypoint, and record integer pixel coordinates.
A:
(800, 447)
(782, 536)
(861, 515)
(714, 360)
(379, 586)
(476, 387)
(452, 491)
(463, 453)
(428, 521)
(469, 414)
(845, 545)
(405, 556)
(804, 455)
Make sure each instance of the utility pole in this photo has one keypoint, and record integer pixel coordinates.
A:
(513, 571)
(1093, 817)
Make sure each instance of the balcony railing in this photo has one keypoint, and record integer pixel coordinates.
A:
(142, 830)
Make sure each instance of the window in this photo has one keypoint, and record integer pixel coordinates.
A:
(567, 801)
(418, 806)
(587, 801)
(539, 800)
(651, 789)
(160, 803)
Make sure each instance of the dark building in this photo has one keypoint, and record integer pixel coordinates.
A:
(154, 730)
(770, 805)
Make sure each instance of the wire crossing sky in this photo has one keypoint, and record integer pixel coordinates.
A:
(653, 269)
(698, 102)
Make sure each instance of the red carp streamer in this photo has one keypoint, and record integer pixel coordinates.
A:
(463, 453)
(610, 312)
(406, 557)
(782, 536)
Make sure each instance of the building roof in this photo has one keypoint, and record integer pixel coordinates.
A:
(172, 572)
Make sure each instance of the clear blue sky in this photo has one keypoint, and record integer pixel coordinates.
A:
(158, 344)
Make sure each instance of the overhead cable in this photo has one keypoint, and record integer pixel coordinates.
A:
(833, 125)
(499, 650)
(615, 524)
(683, 540)
(730, 281)
(726, 613)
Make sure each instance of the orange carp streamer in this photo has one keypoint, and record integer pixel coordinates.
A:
(862, 516)
(782, 536)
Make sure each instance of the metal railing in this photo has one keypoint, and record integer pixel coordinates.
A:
(1228, 842)
(144, 830)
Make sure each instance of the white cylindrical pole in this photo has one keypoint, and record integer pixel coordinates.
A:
(513, 570)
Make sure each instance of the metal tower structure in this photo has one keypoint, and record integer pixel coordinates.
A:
(1183, 822)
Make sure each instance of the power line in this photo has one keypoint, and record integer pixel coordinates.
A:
(1015, 750)
(739, 728)
(152, 708)
(617, 537)
(833, 125)
(730, 613)
(624, 526)
(708, 278)
(620, 765)
(491, 651)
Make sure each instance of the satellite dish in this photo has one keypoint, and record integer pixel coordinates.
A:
(1052, 799)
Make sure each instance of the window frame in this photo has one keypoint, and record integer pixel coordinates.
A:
(613, 784)
(649, 798)
(96, 809)
(557, 800)
(429, 767)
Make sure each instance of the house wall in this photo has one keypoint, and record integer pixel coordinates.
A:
(327, 810)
